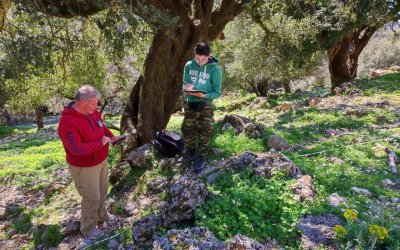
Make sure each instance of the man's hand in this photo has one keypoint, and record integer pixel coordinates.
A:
(114, 138)
(105, 140)
(198, 94)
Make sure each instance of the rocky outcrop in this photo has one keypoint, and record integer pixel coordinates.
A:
(335, 200)
(317, 230)
(144, 230)
(140, 156)
(240, 242)
(186, 195)
(277, 142)
(262, 164)
(313, 101)
(242, 124)
(304, 189)
(259, 102)
(284, 107)
(190, 238)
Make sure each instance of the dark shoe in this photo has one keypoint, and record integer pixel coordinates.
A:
(94, 234)
(186, 158)
(199, 165)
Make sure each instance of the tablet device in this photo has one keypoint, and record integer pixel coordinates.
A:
(196, 91)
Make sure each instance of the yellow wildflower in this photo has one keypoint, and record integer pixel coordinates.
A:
(380, 232)
(340, 231)
(350, 215)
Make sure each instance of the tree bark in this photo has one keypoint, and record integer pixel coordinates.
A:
(359, 44)
(6, 116)
(4, 7)
(343, 56)
(286, 87)
(338, 57)
(39, 118)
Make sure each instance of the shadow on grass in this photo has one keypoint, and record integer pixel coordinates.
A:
(47, 235)
(384, 84)
(313, 132)
(20, 220)
(22, 146)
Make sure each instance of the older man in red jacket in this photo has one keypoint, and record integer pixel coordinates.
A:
(86, 140)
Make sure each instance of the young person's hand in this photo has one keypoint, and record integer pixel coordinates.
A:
(188, 86)
(198, 94)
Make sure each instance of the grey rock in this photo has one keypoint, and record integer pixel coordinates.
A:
(387, 183)
(212, 178)
(382, 198)
(144, 230)
(11, 233)
(186, 195)
(238, 122)
(141, 155)
(199, 238)
(262, 164)
(131, 208)
(253, 131)
(248, 158)
(335, 200)
(157, 185)
(304, 189)
(317, 230)
(226, 126)
(241, 242)
(145, 202)
(361, 191)
(335, 160)
(259, 102)
(313, 101)
(277, 142)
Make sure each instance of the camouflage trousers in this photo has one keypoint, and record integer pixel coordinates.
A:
(197, 127)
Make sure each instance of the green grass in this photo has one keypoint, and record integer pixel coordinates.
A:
(243, 202)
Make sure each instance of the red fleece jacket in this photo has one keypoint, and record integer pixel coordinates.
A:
(81, 136)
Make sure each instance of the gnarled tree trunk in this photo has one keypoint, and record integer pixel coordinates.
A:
(287, 87)
(39, 117)
(343, 56)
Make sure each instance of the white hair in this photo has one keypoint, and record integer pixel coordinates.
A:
(86, 92)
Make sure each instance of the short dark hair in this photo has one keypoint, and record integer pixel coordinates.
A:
(202, 49)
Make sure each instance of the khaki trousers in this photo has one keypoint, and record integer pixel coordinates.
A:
(92, 186)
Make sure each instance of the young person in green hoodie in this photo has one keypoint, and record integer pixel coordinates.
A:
(202, 79)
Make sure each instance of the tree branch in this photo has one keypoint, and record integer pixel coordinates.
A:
(227, 12)
(70, 8)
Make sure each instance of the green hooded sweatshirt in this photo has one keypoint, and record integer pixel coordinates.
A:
(207, 77)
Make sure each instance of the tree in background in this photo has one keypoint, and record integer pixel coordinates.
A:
(342, 28)
(46, 59)
(388, 44)
(257, 58)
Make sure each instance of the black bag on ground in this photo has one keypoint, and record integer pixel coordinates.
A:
(168, 143)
